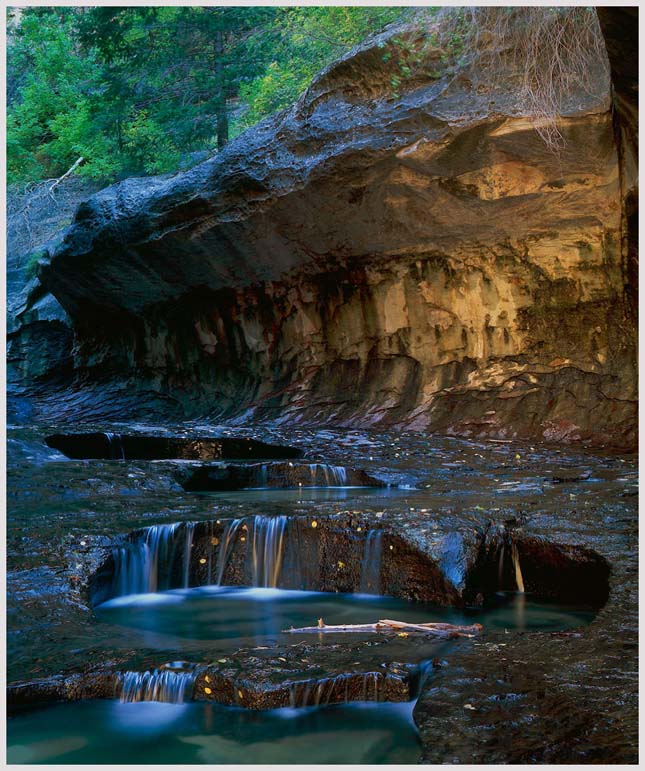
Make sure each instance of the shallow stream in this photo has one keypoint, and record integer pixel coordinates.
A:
(61, 510)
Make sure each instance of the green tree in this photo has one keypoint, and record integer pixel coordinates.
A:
(133, 89)
(304, 40)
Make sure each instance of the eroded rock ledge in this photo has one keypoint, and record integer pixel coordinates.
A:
(365, 257)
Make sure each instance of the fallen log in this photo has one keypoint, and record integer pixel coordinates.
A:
(434, 629)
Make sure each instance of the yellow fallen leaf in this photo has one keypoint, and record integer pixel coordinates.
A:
(207, 690)
(215, 541)
(341, 564)
(314, 523)
(207, 678)
(202, 561)
(240, 695)
(404, 634)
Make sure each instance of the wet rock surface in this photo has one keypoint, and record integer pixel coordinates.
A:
(366, 257)
(554, 697)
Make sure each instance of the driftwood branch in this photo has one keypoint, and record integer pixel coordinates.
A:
(69, 171)
(435, 629)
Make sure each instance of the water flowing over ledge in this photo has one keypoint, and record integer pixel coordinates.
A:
(342, 554)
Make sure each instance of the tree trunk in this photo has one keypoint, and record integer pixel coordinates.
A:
(222, 115)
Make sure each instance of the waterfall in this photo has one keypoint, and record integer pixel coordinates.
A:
(116, 446)
(334, 476)
(146, 565)
(268, 545)
(226, 547)
(371, 563)
(158, 685)
(519, 580)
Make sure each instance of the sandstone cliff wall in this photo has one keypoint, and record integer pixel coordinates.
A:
(418, 257)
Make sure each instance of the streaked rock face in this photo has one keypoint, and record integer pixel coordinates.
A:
(419, 258)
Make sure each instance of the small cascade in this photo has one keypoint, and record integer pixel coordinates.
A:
(146, 565)
(519, 580)
(326, 475)
(116, 446)
(370, 686)
(158, 685)
(268, 548)
(226, 547)
(371, 563)
(315, 693)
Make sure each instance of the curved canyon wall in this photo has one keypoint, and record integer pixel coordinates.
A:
(417, 257)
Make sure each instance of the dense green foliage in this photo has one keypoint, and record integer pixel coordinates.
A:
(134, 90)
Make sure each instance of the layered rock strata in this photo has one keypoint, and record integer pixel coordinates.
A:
(373, 255)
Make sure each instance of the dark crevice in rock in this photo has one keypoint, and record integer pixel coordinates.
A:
(551, 571)
(109, 446)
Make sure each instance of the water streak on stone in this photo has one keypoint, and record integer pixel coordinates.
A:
(158, 685)
(500, 568)
(371, 563)
(188, 545)
(314, 693)
(268, 549)
(519, 580)
(226, 547)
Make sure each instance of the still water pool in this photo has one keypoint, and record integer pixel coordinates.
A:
(236, 616)
(225, 618)
(150, 732)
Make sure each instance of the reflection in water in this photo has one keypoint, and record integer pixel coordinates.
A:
(228, 618)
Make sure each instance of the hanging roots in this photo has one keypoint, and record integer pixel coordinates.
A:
(554, 51)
